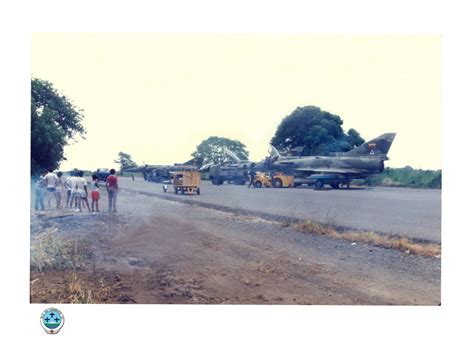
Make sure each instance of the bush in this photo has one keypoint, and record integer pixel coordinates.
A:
(406, 177)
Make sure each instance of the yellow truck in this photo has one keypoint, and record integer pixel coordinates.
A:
(186, 182)
(277, 180)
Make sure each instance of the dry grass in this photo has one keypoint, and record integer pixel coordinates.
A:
(370, 237)
(51, 252)
(77, 294)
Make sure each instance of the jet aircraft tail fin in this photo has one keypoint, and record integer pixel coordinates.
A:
(378, 146)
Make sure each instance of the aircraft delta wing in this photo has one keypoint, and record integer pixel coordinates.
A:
(338, 168)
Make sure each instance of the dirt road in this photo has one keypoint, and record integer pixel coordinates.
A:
(158, 251)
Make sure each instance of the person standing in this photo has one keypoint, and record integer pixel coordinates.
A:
(112, 189)
(68, 185)
(39, 192)
(95, 195)
(82, 190)
(51, 182)
(252, 174)
(59, 189)
(75, 196)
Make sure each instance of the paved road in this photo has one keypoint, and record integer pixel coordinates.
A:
(414, 213)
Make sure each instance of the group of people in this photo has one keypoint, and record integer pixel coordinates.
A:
(50, 186)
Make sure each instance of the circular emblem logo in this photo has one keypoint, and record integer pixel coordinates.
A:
(52, 320)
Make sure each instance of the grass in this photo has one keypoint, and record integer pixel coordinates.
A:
(77, 294)
(50, 252)
(370, 237)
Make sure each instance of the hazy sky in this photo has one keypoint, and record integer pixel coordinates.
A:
(157, 96)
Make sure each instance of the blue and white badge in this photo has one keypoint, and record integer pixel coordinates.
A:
(52, 320)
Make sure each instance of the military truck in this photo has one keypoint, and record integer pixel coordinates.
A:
(160, 173)
(236, 173)
(102, 174)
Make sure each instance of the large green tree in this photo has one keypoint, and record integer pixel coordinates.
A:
(55, 121)
(317, 131)
(210, 151)
(125, 161)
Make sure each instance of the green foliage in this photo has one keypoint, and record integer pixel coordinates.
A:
(125, 161)
(319, 132)
(406, 177)
(54, 122)
(210, 150)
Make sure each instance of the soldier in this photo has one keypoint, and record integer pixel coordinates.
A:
(252, 173)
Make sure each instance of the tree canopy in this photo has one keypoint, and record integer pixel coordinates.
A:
(210, 150)
(317, 131)
(125, 161)
(55, 120)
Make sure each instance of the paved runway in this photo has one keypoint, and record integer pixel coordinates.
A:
(414, 213)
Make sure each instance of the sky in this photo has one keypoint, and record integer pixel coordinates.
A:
(156, 96)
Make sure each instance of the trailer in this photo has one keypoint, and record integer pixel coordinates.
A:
(335, 181)
(186, 182)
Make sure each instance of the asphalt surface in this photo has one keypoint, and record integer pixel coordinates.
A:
(413, 213)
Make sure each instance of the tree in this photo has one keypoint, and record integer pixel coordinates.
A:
(125, 161)
(210, 150)
(319, 132)
(55, 121)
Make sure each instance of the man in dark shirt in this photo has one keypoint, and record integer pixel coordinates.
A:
(252, 173)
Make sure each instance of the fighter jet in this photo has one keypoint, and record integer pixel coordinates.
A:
(337, 169)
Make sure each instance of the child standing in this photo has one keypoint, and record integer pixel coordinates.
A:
(95, 192)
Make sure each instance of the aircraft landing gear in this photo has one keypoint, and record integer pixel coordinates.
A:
(318, 185)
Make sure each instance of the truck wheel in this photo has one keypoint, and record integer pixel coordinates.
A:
(182, 191)
(335, 185)
(175, 190)
(220, 181)
(277, 183)
(318, 184)
(215, 181)
(258, 184)
(198, 191)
